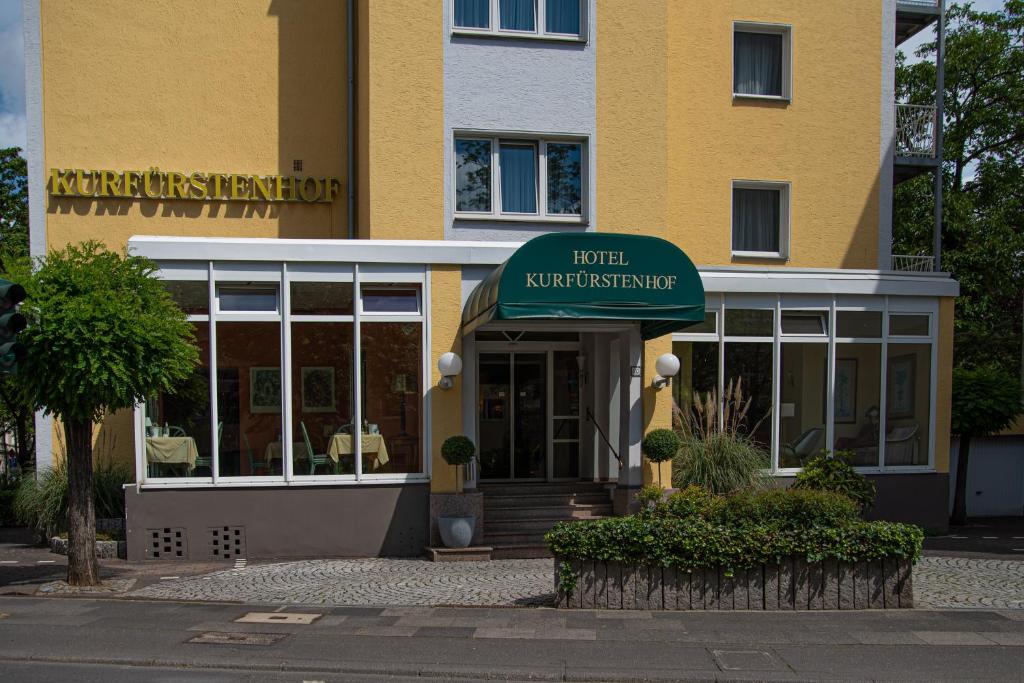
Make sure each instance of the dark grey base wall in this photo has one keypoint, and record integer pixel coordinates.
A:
(314, 521)
(920, 498)
(793, 584)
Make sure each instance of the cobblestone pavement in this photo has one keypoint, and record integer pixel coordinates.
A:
(370, 582)
(968, 582)
(939, 582)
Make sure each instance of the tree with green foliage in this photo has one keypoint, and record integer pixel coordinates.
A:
(103, 335)
(983, 213)
(985, 401)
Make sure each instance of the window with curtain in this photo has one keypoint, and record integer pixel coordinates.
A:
(533, 177)
(758, 66)
(562, 16)
(757, 220)
(472, 13)
(517, 15)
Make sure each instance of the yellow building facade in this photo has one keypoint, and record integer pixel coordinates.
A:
(329, 187)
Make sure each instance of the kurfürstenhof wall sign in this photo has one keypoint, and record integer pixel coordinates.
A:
(157, 184)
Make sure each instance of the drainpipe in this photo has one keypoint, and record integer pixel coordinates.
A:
(349, 34)
(940, 85)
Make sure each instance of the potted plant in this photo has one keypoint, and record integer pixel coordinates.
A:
(660, 446)
(457, 530)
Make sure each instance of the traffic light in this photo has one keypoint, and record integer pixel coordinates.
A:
(11, 323)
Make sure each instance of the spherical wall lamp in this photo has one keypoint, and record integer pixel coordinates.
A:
(667, 366)
(450, 366)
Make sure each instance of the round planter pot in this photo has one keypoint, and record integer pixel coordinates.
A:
(456, 532)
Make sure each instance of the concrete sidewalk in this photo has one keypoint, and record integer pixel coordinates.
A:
(140, 638)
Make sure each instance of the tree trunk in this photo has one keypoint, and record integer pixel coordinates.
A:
(24, 444)
(960, 497)
(83, 569)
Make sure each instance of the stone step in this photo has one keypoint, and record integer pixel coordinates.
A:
(540, 488)
(499, 539)
(522, 551)
(545, 499)
(541, 525)
(554, 512)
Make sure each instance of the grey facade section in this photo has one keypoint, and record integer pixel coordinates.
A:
(518, 85)
(285, 522)
(887, 137)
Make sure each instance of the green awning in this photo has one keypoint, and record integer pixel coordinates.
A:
(592, 276)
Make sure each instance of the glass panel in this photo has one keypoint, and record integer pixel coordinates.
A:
(566, 389)
(517, 15)
(567, 461)
(749, 323)
(908, 326)
(757, 64)
(908, 404)
(756, 219)
(177, 441)
(566, 429)
(192, 297)
(698, 376)
(531, 416)
(321, 404)
(858, 324)
(564, 173)
(321, 298)
(802, 416)
(857, 397)
(562, 16)
(392, 365)
(748, 371)
(473, 175)
(248, 396)
(518, 177)
(494, 427)
(472, 13)
(709, 326)
(248, 299)
(805, 322)
(390, 301)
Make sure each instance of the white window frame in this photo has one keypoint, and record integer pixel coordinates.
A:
(784, 187)
(784, 30)
(541, 141)
(494, 30)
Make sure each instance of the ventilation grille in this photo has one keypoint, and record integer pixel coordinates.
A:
(166, 544)
(227, 542)
(297, 165)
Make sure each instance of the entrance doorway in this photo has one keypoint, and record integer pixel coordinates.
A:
(528, 412)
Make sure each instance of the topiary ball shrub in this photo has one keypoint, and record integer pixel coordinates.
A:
(835, 474)
(458, 450)
(661, 445)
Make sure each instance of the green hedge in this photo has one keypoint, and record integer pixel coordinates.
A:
(694, 529)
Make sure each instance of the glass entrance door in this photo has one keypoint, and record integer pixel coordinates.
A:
(528, 415)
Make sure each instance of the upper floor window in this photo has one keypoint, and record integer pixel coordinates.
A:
(761, 60)
(519, 178)
(760, 219)
(560, 19)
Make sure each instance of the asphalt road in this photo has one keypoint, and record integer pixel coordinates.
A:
(60, 639)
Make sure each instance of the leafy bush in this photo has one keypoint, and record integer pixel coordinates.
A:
(43, 504)
(7, 516)
(782, 507)
(660, 445)
(696, 543)
(835, 474)
(458, 450)
(650, 497)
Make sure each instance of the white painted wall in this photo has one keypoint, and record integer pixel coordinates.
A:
(512, 85)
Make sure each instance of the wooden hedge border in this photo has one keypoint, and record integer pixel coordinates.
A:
(793, 584)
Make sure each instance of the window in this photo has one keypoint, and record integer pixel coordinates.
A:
(908, 325)
(391, 300)
(760, 219)
(535, 179)
(806, 323)
(552, 19)
(243, 299)
(761, 61)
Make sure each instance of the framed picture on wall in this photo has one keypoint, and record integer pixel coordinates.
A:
(846, 390)
(900, 386)
(318, 390)
(264, 390)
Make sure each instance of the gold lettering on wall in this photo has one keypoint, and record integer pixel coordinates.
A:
(157, 184)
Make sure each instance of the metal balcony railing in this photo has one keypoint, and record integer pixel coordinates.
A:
(915, 130)
(919, 3)
(913, 264)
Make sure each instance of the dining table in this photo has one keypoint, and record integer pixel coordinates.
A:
(172, 450)
(372, 445)
(273, 451)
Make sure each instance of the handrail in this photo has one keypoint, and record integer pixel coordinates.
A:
(590, 418)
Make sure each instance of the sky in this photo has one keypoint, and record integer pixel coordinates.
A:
(12, 68)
